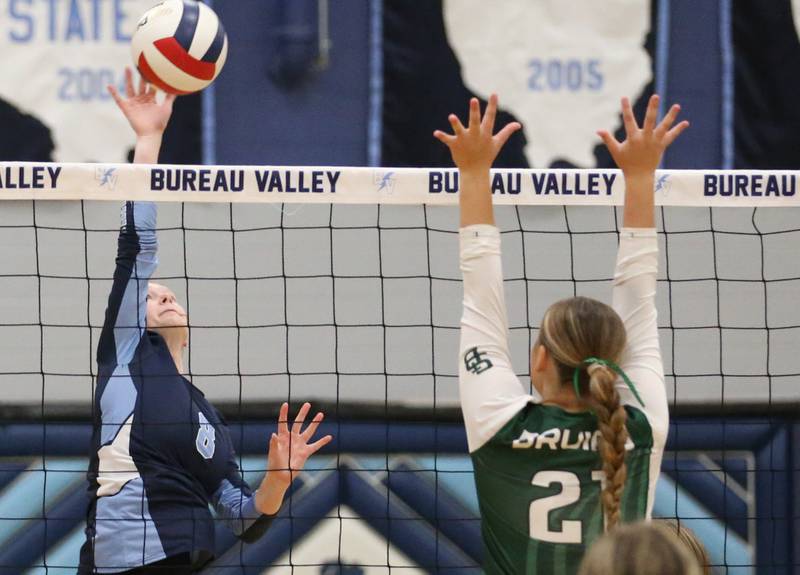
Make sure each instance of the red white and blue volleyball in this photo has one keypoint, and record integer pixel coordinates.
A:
(179, 46)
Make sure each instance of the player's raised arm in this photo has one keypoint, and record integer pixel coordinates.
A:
(474, 150)
(235, 504)
(289, 449)
(490, 391)
(146, 115)
(249, 514)
(137, 247)
(639, 156)
(637, 260)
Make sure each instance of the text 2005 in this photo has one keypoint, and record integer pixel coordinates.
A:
(564, 75)
(86, 84)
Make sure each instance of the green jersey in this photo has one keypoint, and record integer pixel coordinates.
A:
(539, 480)
(537, 470)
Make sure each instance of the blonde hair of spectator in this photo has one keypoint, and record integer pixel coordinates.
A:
(640, 548)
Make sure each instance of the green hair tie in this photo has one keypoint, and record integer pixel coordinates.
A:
(612, 365)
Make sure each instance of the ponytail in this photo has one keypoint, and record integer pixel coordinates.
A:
(585, 338)
(611, 419)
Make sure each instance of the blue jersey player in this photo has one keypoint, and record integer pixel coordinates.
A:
(162, 453)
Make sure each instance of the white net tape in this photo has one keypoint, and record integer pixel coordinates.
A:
(342, 185)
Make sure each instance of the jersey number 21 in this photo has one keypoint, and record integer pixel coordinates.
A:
(539, 511)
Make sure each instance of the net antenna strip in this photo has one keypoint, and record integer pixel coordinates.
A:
(359, 185)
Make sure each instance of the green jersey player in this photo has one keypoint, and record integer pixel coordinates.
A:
(558, 465)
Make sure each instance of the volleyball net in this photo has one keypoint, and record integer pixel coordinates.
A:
(341, 286)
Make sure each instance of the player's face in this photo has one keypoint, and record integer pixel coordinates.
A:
(163, 309)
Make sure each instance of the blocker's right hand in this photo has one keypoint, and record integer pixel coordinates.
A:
(289, 449)
(145, 114)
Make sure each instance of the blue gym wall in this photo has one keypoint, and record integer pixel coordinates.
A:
(694, 66)
(323, 120)
(412, 483)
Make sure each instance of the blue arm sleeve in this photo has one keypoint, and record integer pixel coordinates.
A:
(235, 504)
(137, 259)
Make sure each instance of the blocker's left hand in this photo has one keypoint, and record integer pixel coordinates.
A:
(476, 146)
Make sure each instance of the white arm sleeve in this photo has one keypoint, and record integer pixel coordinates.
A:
(491, 394)
(634, 300)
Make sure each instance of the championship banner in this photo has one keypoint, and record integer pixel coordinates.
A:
(559, 68)
(328, 185)
(64, 54)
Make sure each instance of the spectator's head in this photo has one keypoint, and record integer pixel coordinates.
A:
(638, 549)
(692, 543)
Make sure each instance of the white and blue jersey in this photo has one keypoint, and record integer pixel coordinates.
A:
(161, 452)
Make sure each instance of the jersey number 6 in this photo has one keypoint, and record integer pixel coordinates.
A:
(206, 437)
(539, 511)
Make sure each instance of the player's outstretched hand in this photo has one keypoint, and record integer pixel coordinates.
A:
(475, 147)
(145, 114)
(643, 147)
(289, 449)
(639, 156)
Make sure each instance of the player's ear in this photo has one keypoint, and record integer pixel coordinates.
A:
(539, 358)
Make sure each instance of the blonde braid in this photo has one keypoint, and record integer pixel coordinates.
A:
(611, 419)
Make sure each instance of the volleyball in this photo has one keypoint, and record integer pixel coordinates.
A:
(179, 46)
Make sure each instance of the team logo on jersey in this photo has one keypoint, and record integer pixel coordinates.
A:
(476, 361)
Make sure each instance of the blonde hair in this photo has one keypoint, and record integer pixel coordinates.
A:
(573, 330)
(691, 542)
(638, 548)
